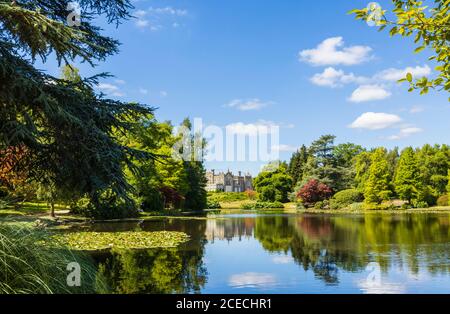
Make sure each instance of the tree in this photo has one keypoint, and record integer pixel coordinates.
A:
(313, 192)
(66, 127)
(430, 28)
(297, 164)
(273, 184)
(448, 186)
(196, 196)
(362, 166)
(377, 186)
(345, 154)
(407, 178)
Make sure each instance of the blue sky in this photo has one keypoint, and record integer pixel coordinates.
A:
(309, 68)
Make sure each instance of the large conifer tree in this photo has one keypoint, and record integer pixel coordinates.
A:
(65, 127)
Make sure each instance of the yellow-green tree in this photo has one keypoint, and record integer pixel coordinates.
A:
(407, 177)
(377, 187)
(429, 25)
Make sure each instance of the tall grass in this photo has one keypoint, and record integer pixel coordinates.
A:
(29, 266)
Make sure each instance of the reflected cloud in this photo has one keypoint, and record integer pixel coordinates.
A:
(381, 288)
(252, 280)
(282, 259)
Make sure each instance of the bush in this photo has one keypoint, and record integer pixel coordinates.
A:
(318, 205)
(345, 198)
(421, 204)
(443, 201)
(426, 195)
(313, 192)
(108, 206)
(262, 205)
(356, 206)
(213, 205)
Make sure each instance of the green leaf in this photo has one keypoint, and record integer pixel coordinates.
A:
(409, 77)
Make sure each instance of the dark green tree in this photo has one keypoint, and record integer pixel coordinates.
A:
(297, 164)
(67, 128)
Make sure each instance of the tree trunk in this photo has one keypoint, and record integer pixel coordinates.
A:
(52, 210)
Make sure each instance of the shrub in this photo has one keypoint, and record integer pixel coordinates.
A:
(345, 198)
(313, 192)
(213, 205)
(443, 201)
(268, 193)
(356, 206)
(318, 205)
(421, 204)
(262, 205)
(250, 194)
(426, 195)
(107, 206)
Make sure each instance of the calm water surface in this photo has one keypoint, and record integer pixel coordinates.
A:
(288, 253)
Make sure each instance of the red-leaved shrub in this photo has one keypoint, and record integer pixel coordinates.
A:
(313, 192)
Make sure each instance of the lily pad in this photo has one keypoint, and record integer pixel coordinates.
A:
(92, 241)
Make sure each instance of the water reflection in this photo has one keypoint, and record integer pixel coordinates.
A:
(280, 253)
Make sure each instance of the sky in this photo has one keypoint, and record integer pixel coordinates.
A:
(305, 66)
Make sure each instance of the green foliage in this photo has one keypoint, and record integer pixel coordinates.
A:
(448, 185)
(29, 267)
(213, 205)
(429, 24)
(377, 187)
(345, 198)
(273, 185)
(407, 178)
(107, 205)
(262, 205)
(297, 164)
(66, 128)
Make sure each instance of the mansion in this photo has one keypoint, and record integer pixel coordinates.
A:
(227, 182)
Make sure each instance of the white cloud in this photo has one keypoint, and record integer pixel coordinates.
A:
(168, 11)
(332, 52)
(255, 280)
(393, 74)
(368, 93)
(334, 78)
(252, 129)
(284, 148)
(163, 93)
(156, 18)
(283, 259)
(143, 91)
(405, 132)
(375, 121)
(110, 89)
(249, 104)
(416, 109)
(141, 23)
(121, 82)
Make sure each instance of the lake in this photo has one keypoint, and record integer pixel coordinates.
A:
(287, 253)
